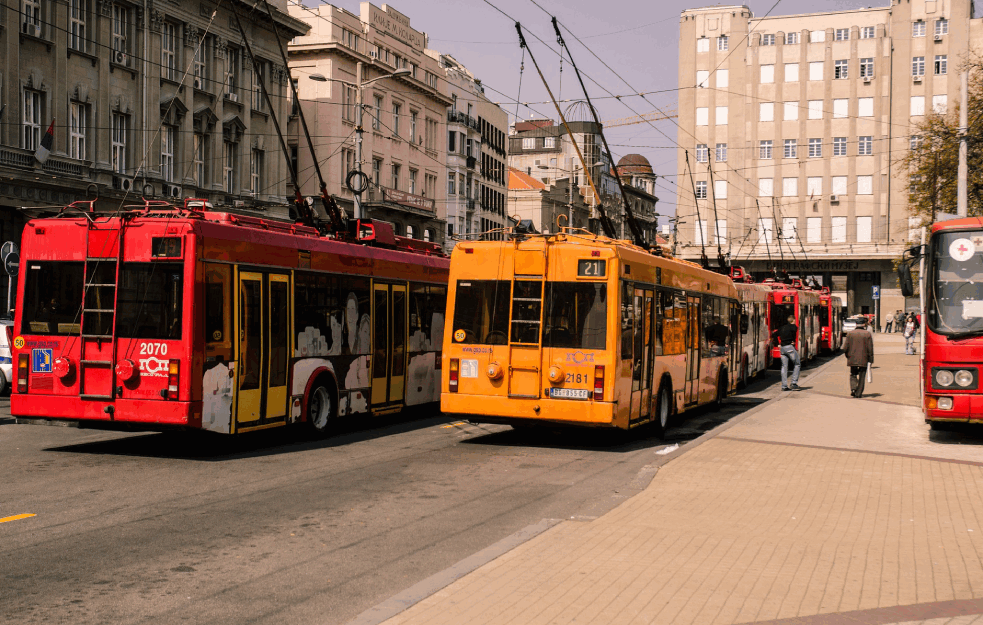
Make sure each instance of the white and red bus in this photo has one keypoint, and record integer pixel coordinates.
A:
(785, 300)
(952, 322)
(756, 336)
(830, 321)
(161, 317)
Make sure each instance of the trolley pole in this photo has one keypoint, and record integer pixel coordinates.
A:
(358, 140)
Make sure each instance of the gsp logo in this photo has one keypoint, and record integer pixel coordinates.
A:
(153, 367)
(579, 357)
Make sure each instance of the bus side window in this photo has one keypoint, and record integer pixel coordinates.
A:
(627, 321)
(218, 312)
(659, 316)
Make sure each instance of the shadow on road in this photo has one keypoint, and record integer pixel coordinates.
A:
(957, 434)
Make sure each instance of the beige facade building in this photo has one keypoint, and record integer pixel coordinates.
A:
(791, 127)
(548, 207)
(404, 149)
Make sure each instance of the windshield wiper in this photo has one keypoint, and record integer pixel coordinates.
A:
(960, 336)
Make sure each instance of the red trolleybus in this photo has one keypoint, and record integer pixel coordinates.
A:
(830, 321)
(952, 292)
(756, 338)
(163, 317)
(583, 330)
(788, 300)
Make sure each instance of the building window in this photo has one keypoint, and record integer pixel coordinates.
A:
(815, 109)
(815, 148)
(77, 10)
(702, 153)
(867, 32)
(701, 189)
(32, 17)
(292, 98)
(702, 44)
(863, 229)
(791, 38)
(348, 109)
(451, 180)
(766, 112)
(413, 119)
(817, 36)
(865, 107)
(790, 226)
(842, 34)
(941, 64)
(395, 175)
(229, 167)
(529, 143)
(865, 145)
(790, 187)
(942, 26)
(839, 230)
(721, 153)
(349, 39)
(839, 185)
(917, 105)
(256, 172)
(168, 51)
(721, 116)
(918, 29)
(167, 136)
(32, 119)
(377, 116)
(765, 187)
(814, 229)
(865, 185)
(723, 43)
(119, 143)
(413, 174)
(841, 107)
(814, 186)
(702, 116)
(767, 40)
(940, 104)
(200, 67)
(791, 72)
(764, 149)
(765, 229)
(549, 142)
(914, 142)
(841, 69)
(917, 66)
(121, 19)
(431, 80)
(232, 76)
(791, 148)
(867, 68)
(347, 163)
(839, 146)
(409, 232)
(767, 74)
(720, 189)
(377, 172)
(816, 70)
(76, 131)
(199, 157)
(258, 101)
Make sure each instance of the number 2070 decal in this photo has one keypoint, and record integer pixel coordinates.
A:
(153, 349)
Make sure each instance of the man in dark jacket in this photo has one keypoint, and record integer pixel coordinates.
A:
(785, 337)
(859, 348)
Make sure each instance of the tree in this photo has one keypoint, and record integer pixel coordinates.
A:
(932, 162)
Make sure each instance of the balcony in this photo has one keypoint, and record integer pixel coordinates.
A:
(24, 159)
(470, 204)
(457, 117)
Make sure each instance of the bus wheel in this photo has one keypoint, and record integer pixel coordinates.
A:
(320, 410)
(663, 410)
(743, 381)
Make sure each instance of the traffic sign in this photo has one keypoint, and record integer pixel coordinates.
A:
(875, 292)
(7, 248)
(11, 263)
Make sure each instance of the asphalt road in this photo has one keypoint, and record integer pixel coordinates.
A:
(269, 528)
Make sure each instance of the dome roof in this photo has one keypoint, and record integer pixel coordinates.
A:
(634, 164)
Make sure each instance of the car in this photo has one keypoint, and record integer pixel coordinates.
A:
(850, 323)
(6, 357)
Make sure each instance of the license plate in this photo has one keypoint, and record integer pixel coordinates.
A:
(569, 393)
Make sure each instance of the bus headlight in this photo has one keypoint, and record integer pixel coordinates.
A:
(964, 377)
(944, 377)
(945, 403)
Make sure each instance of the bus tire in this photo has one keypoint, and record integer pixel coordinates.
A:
(322, 409)
(745, 378)
(663, 410)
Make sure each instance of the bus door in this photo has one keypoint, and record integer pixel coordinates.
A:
(263, 347)
(692, 349)
(641, 375)
(388, 344)
(736, 350)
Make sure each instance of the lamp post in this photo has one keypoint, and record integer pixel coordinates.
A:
(358, 85)
(571, 172)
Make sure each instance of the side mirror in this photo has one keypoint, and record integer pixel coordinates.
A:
(745, 323)
(915, 252)
(904, 280)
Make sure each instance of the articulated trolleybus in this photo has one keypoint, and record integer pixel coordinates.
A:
(164, 317)
(756, 338)
(584, 330)
(830, 321)
(803, 304)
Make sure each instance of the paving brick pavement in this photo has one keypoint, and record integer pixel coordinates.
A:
(816, 509)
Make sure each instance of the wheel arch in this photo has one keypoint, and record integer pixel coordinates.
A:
(319, 375)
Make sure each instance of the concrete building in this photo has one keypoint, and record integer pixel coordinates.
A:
(476, 158)
(129, 122)
(791, 125)
(404, 151)
(549, 207)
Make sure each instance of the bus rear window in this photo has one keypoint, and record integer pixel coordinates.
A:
(150, 298)
(52, 298)
(481, 312)
(780, 314)
(576, 315)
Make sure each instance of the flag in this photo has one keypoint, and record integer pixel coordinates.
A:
(46, 142)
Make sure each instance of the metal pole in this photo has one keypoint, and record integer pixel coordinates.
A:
(570, 200)
(358, 139)
(963, 169)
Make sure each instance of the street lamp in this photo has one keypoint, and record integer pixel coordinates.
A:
(359, 85)
(575, 168)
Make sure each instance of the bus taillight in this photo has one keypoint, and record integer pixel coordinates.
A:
(173, 377)
(452, 378)
(22, 373)
(598, 382)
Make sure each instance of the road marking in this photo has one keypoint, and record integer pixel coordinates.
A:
(16, 517)
(453, 425)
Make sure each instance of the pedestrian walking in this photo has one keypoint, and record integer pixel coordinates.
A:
(910, 333)
(898, 315)
(785, 337)
(889, 323)
(859, 349)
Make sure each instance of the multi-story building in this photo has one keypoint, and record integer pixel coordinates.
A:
(548, 207)
(791, 127)
(155, 101)
(404, 151)
(638, 180)
(476, 158)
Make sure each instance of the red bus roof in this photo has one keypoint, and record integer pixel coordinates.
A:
(969, 223)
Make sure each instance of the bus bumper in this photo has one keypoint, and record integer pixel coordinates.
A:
(123, 413)
(964, 408)
(489, 409)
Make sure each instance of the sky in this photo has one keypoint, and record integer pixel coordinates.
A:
(639, 40)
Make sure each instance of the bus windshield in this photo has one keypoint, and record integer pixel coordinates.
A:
(780, 314)
(576, 315)
(824, 315)
(481, 312)
(52, 298)
(150, 296)
(955, 300)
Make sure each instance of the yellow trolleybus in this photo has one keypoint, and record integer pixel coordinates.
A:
(576, 329)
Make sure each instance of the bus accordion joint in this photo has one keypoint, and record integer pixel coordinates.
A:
(494, 371)
(598, 382)
(22, 360)
(452, 378)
